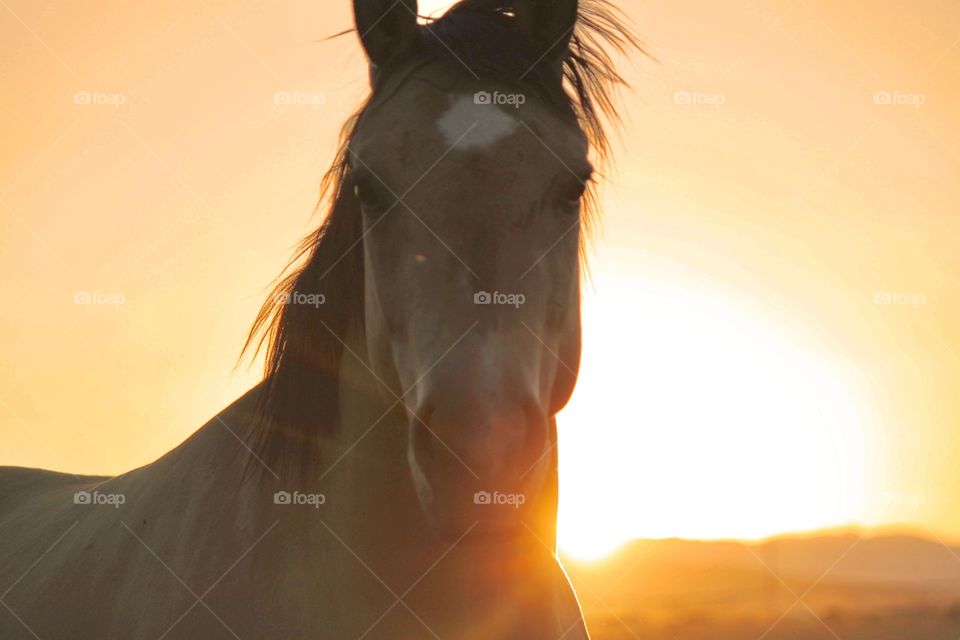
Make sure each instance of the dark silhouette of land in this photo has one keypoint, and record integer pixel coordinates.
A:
(828, 586)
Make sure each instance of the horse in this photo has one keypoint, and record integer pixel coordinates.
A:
(395, 473)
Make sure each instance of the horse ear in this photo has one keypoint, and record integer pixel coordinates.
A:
(549, 24)
(386, 27)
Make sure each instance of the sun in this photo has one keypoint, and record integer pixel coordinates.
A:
(696, 419)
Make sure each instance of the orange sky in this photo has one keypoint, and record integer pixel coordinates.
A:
(766, 200)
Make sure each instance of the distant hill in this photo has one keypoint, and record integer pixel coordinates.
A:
(872, 587)
(897, 560)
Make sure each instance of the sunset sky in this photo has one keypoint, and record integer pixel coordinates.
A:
(773, 317)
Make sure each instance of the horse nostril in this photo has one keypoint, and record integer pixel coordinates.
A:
(460, 441)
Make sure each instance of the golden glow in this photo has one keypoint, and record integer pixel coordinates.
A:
(772, 344)
(706, 423)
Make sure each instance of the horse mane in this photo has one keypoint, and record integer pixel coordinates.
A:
(298, 404)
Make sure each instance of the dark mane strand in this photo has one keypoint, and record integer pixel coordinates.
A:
(298, 405)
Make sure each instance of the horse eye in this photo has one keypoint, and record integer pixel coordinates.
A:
(367, 195)
(575, 193)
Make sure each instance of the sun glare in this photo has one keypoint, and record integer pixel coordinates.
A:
(434, 8)
(693, 419)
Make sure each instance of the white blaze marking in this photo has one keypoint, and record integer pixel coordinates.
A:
(490, 124)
